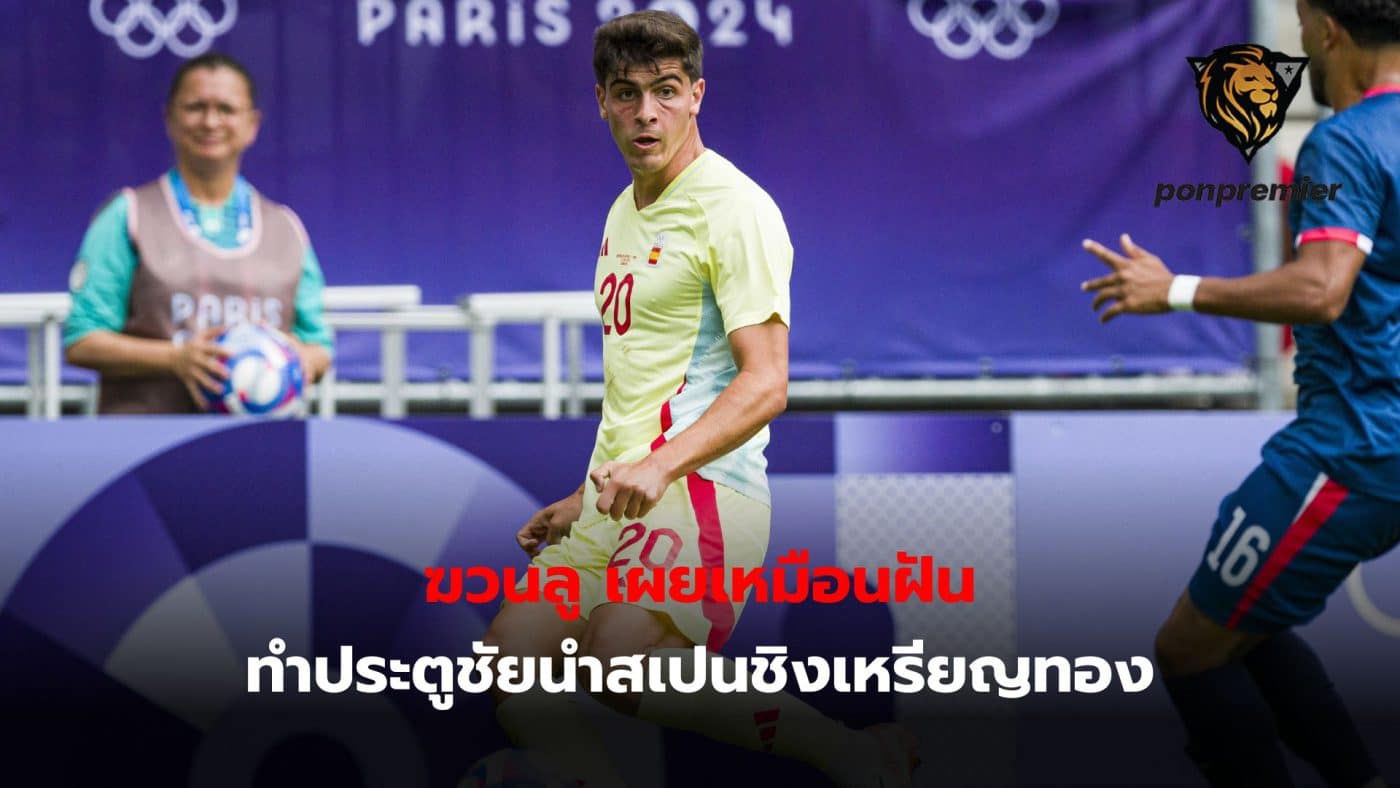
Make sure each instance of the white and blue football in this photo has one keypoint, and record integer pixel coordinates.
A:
(264, 374)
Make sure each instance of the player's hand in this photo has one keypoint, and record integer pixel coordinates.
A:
(628, 489)
(550, 524)
(1138, 284)
(199, 364)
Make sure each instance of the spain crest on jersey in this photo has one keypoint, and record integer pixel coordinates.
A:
(656, 249)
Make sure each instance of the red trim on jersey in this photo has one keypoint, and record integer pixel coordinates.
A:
(665, 425)
(1294, 539)
(665, 420)
(1342, 234)
(702, 500)
(719, 613)
(1381, 90)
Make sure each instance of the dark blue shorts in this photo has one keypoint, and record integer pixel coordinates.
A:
(1283, 542)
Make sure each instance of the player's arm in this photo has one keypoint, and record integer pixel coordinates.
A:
(1314, 288)
(551, 523)
(756, 395)
(1334, 238)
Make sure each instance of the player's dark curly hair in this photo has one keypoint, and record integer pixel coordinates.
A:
(211, 60)
(1371, 23)
(645, 38)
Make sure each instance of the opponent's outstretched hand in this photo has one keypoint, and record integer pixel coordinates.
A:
(550, 524)
(628, 489)
(1138, 284)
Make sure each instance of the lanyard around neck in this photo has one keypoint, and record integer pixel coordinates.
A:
(242, 199)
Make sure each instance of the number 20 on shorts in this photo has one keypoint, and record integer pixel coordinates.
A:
(635, 533)
(1243, 558)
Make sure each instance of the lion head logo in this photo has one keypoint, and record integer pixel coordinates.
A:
(1245, 90)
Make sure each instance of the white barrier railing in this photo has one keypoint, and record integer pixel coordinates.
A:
(569, 309)
(398, 311)
(478, 315)
(42, 314)
(349, 297)
(392, 328)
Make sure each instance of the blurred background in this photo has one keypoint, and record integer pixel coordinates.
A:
(937, 164)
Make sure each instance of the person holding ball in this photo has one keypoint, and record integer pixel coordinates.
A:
(166, 267)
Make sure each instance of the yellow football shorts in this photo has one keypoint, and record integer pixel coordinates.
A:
(697, 524)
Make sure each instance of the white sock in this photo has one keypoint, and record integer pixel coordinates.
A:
(777, 723)
(556, 727)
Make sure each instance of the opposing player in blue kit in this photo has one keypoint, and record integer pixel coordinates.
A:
(1327, 494)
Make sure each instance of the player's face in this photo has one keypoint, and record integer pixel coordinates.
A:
(651, 113)
(1311, 27)
(211, 120)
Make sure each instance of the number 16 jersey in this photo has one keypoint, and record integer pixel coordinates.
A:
(710, 256)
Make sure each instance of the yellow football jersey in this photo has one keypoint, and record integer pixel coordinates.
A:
(711, 255)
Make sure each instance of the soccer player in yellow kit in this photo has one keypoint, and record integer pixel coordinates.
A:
(692, 286)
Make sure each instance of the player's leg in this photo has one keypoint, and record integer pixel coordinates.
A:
(619, 630)
(1282, 543)
(530, 630)
(552, 724)
(1229, 725)
(1312, 720)
(777, 723)
(701, 524)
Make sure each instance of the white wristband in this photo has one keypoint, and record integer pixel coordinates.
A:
(1182, 294)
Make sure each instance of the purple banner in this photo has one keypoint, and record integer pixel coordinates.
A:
(143, 561)
(937, 171)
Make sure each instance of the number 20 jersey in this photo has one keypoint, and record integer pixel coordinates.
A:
(710, 256)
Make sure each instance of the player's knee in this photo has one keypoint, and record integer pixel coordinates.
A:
(626, 676)
(620, 702)
(1182, 650)
(621, 638)
(1171, 652)
(620, 671)
(498, 637)
(521, 632)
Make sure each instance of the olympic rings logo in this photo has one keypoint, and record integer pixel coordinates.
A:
(1379, 620)
(1005, 28)
(165, 29)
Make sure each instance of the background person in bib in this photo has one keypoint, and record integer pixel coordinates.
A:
(165, 267)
